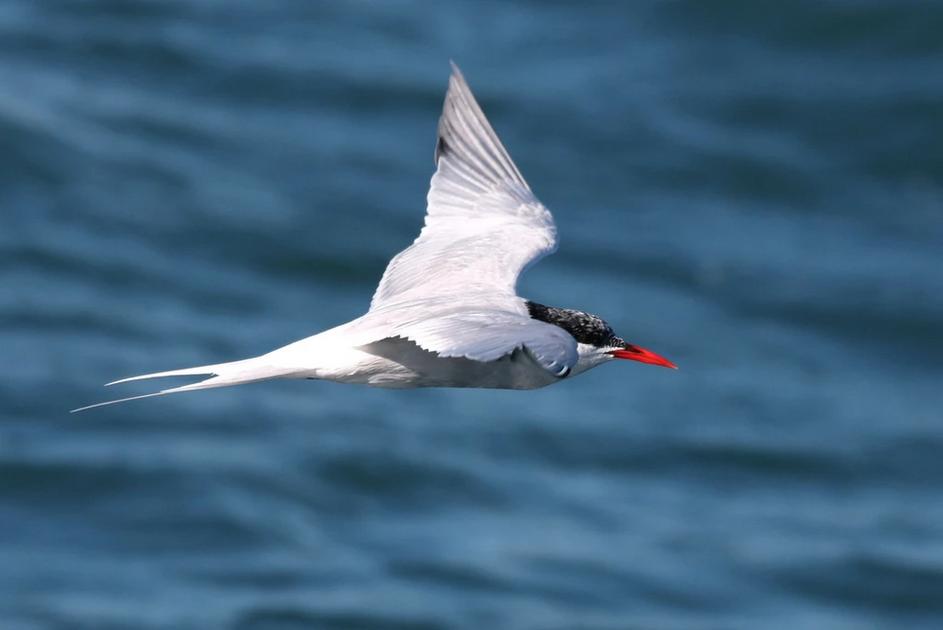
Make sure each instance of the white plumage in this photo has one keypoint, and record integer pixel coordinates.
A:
(483, 224)
(446, 312)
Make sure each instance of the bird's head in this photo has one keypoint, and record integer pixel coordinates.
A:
(597, 343)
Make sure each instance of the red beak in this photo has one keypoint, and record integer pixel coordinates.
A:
(642, 356)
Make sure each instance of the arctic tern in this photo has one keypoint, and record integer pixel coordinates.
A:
(446, 312)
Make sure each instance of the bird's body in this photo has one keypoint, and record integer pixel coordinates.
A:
(397, 362)
(446, 312)
(400, 363)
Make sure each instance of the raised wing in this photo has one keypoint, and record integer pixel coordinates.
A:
(483, 224)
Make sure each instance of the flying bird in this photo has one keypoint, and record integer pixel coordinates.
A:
(446, 312)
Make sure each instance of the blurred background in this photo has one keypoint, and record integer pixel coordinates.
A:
(753, 189)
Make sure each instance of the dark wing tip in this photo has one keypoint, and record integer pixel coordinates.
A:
(465, 132)
(441, 148)
(456, 79)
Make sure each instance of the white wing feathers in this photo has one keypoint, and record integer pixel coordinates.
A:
(489, 329)
(490, 335)
(483, 227)
(483, 224)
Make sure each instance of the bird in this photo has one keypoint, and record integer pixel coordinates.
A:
(446, 312)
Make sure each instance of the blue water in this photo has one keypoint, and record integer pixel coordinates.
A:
(754, 190)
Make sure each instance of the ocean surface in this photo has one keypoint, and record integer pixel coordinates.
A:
(752, 189)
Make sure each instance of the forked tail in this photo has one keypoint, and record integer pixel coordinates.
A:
(221, 375)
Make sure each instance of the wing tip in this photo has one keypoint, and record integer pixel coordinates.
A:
(465, 131)
(456, 82)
